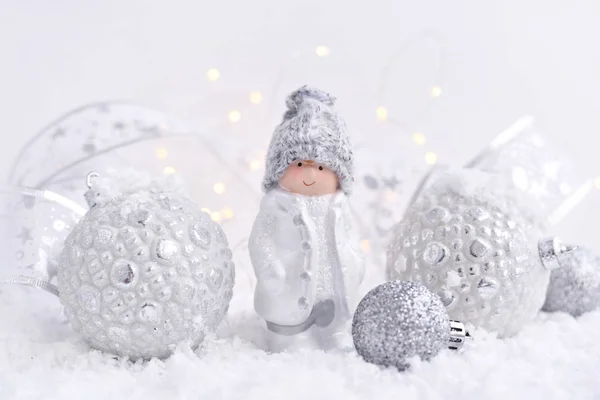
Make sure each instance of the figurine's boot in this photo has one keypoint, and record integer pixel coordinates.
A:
(341, 338)
(336, 336)
(305, 334)
(278, 343)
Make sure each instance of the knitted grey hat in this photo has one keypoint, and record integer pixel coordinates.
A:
(310, 130)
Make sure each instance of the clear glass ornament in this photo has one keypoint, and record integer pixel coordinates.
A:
(120, 136)
(382, 188)
(412, 80)
(35, 224)
(115, 138)
(407, 91)
(534, 166)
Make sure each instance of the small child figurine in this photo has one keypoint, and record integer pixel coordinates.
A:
(303, 249)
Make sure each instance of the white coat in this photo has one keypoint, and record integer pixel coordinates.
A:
(281, 250)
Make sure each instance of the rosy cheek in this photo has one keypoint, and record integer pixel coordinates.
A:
(296, 172)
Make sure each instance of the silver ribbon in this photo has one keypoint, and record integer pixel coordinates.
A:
(31, 282)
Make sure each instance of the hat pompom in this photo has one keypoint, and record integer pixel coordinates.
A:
(298, 99)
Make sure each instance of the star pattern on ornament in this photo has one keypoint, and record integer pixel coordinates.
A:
(58, 133)
(25, 235)
(31, 267)
(89, 148)
(151, 131)
(374, 205)
(392, 182)
(71, 186)
(538, 190)
(370, 182)
(29, 202)
(103, 108)
(382, 232)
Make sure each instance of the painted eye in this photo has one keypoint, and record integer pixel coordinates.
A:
(299, 164)
(321, 168)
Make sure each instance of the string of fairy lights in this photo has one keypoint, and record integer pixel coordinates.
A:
(224, 214)
(234, 116)
(430, 157)
(255, 97)
(382, 113)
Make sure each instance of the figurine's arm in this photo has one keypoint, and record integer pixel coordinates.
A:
(268, 269)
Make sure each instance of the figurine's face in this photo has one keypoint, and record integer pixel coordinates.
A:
(308, 178)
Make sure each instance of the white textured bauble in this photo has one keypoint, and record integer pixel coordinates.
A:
(476, 251)
(143, 272)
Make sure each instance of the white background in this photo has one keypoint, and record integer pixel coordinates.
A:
(500, 60)
(503, 58)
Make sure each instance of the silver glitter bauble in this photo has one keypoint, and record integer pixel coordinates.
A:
(399, 320)
(143, 272)
(575, 287)
(475, 249)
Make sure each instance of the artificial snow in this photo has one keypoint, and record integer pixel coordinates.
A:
(554, 357)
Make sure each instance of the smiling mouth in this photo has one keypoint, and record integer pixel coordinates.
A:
(307, 184)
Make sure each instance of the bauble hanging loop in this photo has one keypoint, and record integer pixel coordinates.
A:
(458, 335)
(554, 254)
(91, 196)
